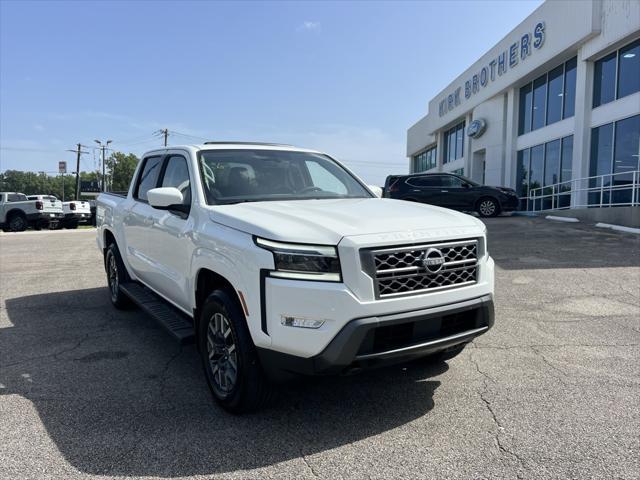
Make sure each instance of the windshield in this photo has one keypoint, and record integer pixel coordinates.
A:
(233, 176)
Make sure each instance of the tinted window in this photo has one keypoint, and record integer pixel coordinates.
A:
(539, 97)
(552, 163)
(177, 175)
(626, 148)
(604, 83)
(629, 69)
(454, 143)
(522, 182)
(569, 95)
(537, 167)
(567, 159)
(148, 178)
(16, 197)
(451, 181)
(554, 95)
(524, 120)
(601, 150)
(430, 181)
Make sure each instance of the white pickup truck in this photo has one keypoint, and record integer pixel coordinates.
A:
(279, 261)
(17, 212)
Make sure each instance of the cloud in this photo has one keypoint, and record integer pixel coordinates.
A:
(309, 26)
(38, 128)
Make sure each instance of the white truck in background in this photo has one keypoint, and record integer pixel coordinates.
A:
(17, 212)
(278, 261)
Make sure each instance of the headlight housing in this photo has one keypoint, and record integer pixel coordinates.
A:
(303, 262)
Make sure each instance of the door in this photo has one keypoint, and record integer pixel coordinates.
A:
(456, 193)
(426, 189)
(170, 243)
(479, 166)
(138, 219)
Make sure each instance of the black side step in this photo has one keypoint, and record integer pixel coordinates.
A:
(173, 320)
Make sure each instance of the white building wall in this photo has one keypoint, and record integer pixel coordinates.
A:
(585, 29)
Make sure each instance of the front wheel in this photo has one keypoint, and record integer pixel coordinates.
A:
(229, 357)
(488, 207)
(116, 275)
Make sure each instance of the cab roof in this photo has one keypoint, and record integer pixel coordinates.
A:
(222, 145)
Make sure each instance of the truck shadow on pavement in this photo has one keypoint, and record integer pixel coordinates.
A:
(118, 397)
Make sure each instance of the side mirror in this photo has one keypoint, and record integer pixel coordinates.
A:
(466, 185)
(376, 190)
(166, 198)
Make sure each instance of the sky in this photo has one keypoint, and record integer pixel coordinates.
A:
(346, 78)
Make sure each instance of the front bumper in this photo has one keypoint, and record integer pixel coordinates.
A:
(509, 203)
(386, 339)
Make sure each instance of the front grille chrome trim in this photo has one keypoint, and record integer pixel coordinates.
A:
(399, 271)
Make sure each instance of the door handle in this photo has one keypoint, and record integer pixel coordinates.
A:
(444, 191)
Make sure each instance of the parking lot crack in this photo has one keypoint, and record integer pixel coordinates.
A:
(311, 469)
(551, 365)
(499, 427)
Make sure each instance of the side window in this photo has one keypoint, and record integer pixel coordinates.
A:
(322, 178)
(176, 174)
(451, 181)
(148, 178)
(428, 181)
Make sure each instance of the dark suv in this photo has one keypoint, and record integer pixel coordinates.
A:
(451, 191)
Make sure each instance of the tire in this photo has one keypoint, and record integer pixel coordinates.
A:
(116, 275)
(229, 357)
(488, 207)
(72, 225)
(17, 223)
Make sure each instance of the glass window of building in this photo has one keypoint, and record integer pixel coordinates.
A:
(614, 150)
(454, 143)
(626, 148)
(549, 98)
(539, 97)
(604, 82)
(567, 159)
(554, 95)
(629, 69)
(617, 75)
(524, 120)
(522, 182)
(425, 160)
(569, 94)
(601, 150)
(542, 166)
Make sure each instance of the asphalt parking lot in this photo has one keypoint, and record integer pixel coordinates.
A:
(551, 392)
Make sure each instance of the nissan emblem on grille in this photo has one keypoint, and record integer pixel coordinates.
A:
(416, 269)
(433, 260)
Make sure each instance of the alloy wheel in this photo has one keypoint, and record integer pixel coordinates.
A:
(114, 282)
(222, 353)
(487, 208)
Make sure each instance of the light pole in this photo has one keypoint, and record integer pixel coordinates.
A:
(104, 149)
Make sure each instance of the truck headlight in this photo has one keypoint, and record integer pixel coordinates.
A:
(303, 262)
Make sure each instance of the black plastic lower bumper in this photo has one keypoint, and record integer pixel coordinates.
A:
(376, 341)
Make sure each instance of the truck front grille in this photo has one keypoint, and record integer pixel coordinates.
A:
(422, 268)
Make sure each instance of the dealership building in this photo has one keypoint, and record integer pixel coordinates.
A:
(552, 110)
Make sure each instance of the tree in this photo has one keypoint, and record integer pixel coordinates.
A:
(120, 169)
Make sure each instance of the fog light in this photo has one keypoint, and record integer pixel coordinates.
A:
(289, 321)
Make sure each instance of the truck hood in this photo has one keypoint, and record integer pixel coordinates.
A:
(328, 221)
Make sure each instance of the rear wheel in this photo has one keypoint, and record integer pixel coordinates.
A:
(116, 275)
(229, 357)
(17, 223)
(488, 207)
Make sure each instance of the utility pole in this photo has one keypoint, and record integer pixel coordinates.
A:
(78, 151)
(165, 133)
(104, 150)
